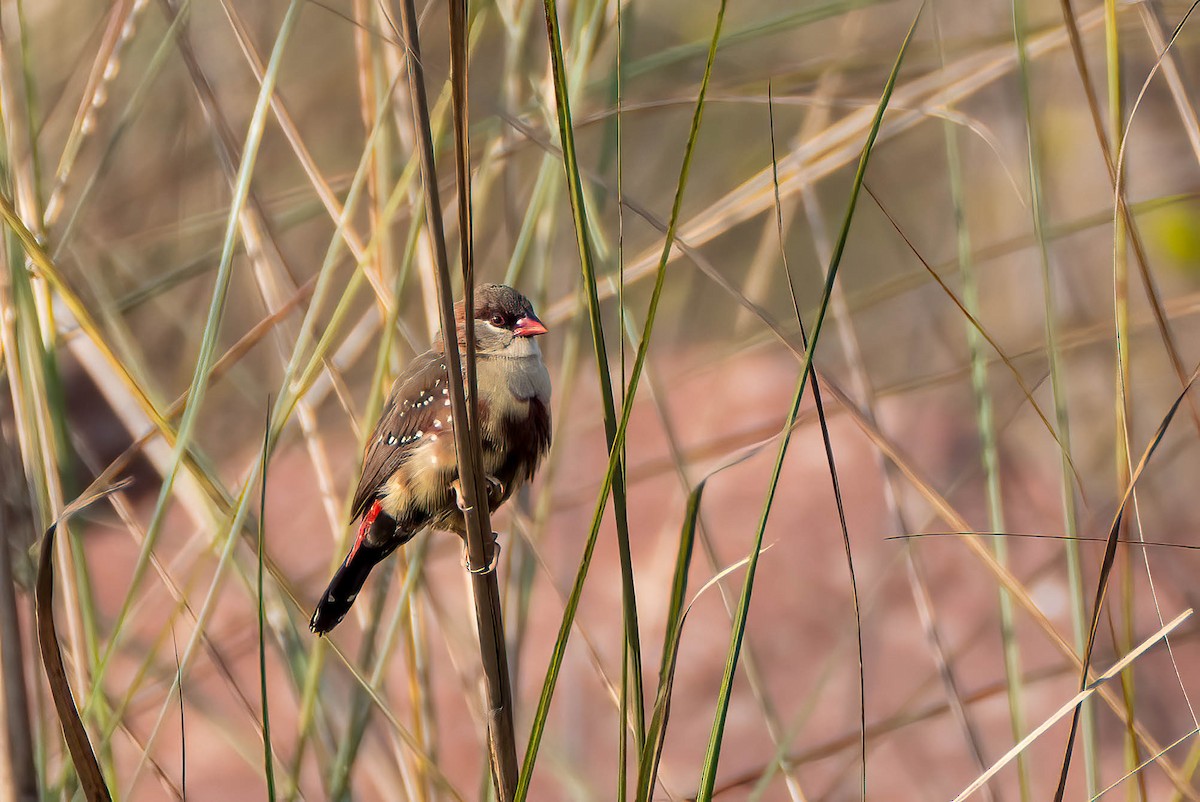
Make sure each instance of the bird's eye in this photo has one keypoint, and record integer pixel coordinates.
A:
(497, 319)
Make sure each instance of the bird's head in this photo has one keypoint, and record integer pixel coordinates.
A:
(505, 323)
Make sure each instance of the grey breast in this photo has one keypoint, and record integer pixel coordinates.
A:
(530, 380)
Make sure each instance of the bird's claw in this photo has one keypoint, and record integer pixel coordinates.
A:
(495, 492)
(491, 566)
(495, 489)
(456, 486)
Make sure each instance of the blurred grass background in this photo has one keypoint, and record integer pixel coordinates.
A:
(132, 128)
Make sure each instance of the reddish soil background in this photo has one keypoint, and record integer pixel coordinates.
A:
(800, 637)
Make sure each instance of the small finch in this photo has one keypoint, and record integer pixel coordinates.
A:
(410, 471)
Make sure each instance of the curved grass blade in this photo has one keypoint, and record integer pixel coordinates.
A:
(1106, 566)
(91, 779)
(709, 771)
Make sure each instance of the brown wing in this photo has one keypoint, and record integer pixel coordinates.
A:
(415, 400)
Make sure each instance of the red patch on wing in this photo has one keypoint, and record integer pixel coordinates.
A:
(363, 528)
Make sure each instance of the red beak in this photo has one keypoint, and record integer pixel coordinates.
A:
(529, 327)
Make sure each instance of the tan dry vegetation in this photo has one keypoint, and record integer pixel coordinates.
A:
(124, 143)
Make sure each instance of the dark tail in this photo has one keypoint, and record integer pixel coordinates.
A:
(348, 581)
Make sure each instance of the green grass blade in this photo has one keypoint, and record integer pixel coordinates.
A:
(989, 447)
(360, 704)
(182, 722)
(1115, 530)
(627, 658)
(632, 648)
(268, 762)
(709, 771)
(1062, 418)
(827, 441)
(1106, 566)
(1125, 635)
(615, 451)
(205, 357)
(807, 15)
(655, 734)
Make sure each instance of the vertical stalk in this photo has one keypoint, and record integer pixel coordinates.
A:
(1079, 615)
(1122, 409)
(627, 658)
(631, 652)
(989, 447)
(18, 778)
(488, 617)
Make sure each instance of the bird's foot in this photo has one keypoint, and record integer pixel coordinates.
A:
(492, 546)
(495, 492)
(459, 499)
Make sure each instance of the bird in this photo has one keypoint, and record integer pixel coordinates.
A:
(409, 477)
